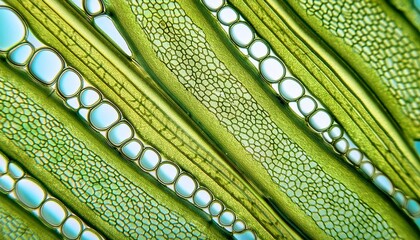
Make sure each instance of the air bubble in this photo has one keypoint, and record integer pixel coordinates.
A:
(272, 69)
(103, 116)
(258, 49)
(69, 83)
(120, 133)
(46, 65)
(213, 5)
(149, 159)
(167, 172)
(227, 16)
(185, 185)
(320, 120)
(291, 89)
(12, 29)
(21, 54)
(242, 34)
(202, 198)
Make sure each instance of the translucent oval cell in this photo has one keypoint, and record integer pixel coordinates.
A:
(214, 5)
(227, 218)
(413, 207)
(12, 29)
(307, 105)
(4, 162)
(7, 183)
(93, 7)
(202, 198)
(384, 183)
(46, 65)
(167, 172)
(89, 97)
(15, 171)
(120, 133)
(89, 234)
(335, 132)
(242, 34)
(320, 120)
(355, 156)
(341, 146)
(258, 49)
(69, 83)
(399, 198)
(227, 15)
(132, 149)
(106, 24)
(72, 227)
(103, 116)
(245, 235)
(53, 212)
(215, 208)
(30, 193)
(291, 89)
(149, 159)
(239, 226)
(21, 54)
(367, 168)
(272, 69)
(185, 185)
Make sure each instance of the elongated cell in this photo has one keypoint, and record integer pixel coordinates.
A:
(248, 122)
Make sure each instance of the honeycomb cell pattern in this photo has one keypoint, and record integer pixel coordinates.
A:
(365, 27)
(13, 228)
(181, 46)
(105, 191)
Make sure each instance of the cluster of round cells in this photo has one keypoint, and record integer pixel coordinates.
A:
(365, 27)
(14, 227)
(302, 102)
(33, 196)
(103, 116)
(182, 47)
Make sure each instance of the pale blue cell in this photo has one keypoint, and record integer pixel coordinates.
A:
(6, 183)
(89, 97)
(69, 83)
(384, 183)
(30, 193)
(21, 55)
(227, 218)
(71, 228)
(245, 235)
(120, 133)
(53, 212)
(46, 65)
(215, 208)
(89, 234)
(12, 29)
(103, 116)
(132, 149)
(167, 172)
(202, 198)
(150, 159)
(15, 171)
(185, 185)
(413, 207)
(417, 146)
(106, 24)
(93, 7)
